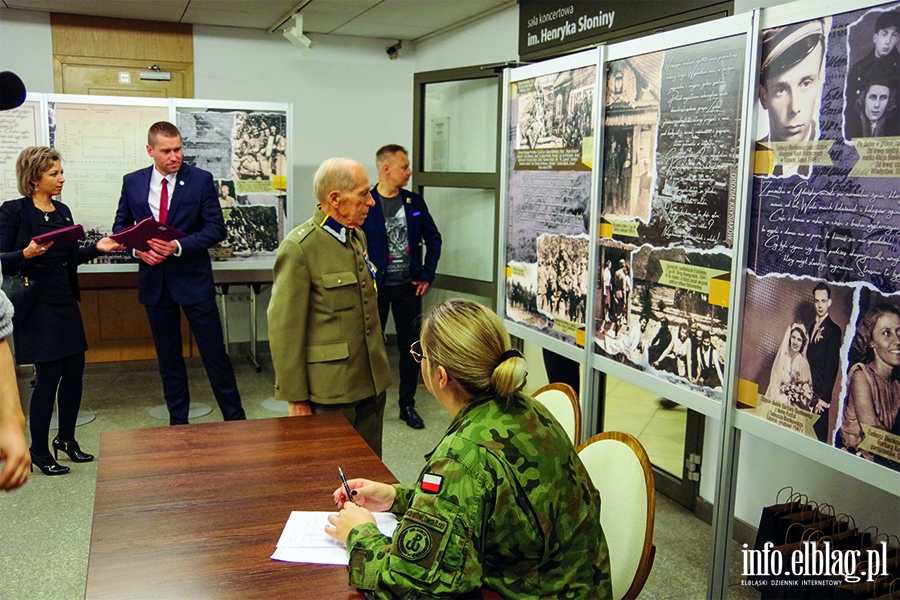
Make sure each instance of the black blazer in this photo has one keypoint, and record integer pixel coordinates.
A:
(18, 225)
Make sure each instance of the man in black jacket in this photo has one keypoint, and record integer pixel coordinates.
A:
(396, 228)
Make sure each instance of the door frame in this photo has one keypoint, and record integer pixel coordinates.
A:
(458, 179)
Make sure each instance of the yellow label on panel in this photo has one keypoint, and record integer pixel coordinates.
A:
(279, 182)
(720, 290)
(880, 442)
(513, 91)
(579, 337)
(878, 157)
(787, 416)
(517, 270)
(800, 153)
(625, 228)
(747, 392)
(605, 230)
(687, 277)
(509, 271)
(587, 151)
(764, 162)
(566, 327)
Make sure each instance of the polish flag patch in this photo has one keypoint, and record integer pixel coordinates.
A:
(431, 483)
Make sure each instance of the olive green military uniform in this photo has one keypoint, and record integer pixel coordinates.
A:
(502, 503)
(324, 331)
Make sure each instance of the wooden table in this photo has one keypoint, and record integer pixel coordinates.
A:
(195, 511)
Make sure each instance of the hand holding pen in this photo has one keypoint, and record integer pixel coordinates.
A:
(377, 497)
(346, 487)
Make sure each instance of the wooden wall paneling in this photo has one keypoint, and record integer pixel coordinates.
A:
(89, 53)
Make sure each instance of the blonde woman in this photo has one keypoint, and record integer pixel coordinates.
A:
(51, 334)
(503, 502)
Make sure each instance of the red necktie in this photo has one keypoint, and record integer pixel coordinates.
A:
(164, 201)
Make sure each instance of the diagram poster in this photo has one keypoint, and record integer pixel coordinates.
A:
(99, 143)
(19, 128)
(671, 150)
(244, 150)
(551, 149)
(823, 291)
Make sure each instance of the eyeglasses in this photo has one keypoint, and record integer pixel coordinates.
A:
(416, 351)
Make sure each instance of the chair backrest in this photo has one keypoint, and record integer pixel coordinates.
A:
(562, 402)
(621, 472)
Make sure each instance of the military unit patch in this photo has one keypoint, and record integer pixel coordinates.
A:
(431, 483)
(414, 543)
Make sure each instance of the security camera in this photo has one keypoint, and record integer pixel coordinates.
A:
(394, 51)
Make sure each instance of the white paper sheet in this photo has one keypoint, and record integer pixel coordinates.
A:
(304, 539)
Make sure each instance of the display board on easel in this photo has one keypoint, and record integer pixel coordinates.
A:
(244, 146)
(670, 191)
(551, 110)
(102, 138)
(821, 345)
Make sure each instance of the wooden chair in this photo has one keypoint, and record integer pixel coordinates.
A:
(562, 402)
(621, 472)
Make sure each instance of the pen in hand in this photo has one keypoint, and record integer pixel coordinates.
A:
(346, 487)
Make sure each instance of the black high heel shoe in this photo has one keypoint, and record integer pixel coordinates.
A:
(47, 465)
(72, 449)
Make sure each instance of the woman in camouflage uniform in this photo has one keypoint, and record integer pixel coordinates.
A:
(503, 502)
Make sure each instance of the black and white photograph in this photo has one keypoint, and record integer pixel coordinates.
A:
(521, 294)
(227, 195)
(792, 74)
(206, 141)
(632, 114)
(251, 229)
(872, 392)
(556, 110)
(873, 75)
(614, 293)
(796, 358)
(259, 146)
(686, 331)
(562, 277)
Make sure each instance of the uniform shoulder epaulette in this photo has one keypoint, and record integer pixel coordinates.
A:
(302, 231)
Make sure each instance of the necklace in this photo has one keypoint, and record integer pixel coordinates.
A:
(46, 216)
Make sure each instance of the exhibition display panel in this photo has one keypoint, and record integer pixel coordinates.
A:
(738, 223)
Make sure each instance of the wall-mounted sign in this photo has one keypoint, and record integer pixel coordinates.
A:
(548, 24)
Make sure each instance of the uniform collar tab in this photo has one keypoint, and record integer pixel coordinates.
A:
(336, 229)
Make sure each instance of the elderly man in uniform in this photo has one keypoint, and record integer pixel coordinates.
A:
(324, 331)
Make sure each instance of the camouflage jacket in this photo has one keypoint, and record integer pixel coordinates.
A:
(502, 503)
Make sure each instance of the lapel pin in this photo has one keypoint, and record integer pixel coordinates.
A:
(181, 182)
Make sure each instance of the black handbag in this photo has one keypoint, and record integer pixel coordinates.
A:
(22, 292)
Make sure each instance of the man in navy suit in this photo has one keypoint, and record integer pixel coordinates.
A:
(177, 275)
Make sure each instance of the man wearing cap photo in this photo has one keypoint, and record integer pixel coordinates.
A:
(876, 109)
(883, 62)
(790, 85)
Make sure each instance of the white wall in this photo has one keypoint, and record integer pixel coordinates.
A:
(741, 6)
(26, 48)
(493, 39)
(349, 99)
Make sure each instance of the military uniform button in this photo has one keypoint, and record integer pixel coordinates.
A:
(364, 284)
(339, 280)
(365, 300)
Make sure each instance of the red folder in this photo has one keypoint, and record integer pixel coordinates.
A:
(69, 234)
(137, 235)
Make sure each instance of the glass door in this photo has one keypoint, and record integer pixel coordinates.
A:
(456, 169)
